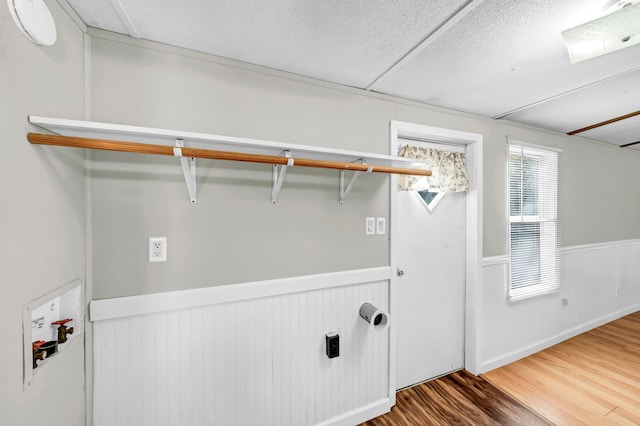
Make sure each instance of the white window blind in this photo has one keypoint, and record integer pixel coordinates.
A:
(534, 231)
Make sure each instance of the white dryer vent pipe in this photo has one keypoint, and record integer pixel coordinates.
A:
(376, 318)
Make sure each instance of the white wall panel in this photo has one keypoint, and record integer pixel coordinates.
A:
(255, 361)
(601, 282)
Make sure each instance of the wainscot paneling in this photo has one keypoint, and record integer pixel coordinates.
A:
(600, 283)
(250, 354)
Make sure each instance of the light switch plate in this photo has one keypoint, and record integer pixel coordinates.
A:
(370, 226)
(381, 225)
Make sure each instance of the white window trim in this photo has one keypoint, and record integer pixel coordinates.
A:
(543, 288)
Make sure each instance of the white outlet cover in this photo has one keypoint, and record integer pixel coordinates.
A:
(162, 255)
(381, 225)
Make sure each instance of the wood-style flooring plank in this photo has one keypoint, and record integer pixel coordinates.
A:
(591, 379)
(459, 398)
(620, 416)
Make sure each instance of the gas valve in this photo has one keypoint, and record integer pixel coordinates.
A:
(38, 354)
(63, 330)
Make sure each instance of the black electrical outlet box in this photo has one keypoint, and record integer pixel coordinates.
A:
(333, 345)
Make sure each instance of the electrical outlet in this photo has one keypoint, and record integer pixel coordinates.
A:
(157, 249)
(332, 345)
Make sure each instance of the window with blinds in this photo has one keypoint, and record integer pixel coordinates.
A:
(534, 237)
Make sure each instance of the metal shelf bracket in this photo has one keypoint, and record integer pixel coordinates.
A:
(279, 173)
(188, 168)
(344, 191)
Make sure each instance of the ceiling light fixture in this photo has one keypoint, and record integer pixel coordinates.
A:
(614, 31)
(34, 21)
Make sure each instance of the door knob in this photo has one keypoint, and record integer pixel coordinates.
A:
(400, 272)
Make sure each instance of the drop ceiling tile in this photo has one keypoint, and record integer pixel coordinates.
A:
(503, 56)
(500, 59)
(348, 42)
(593, 104)
(98, 14)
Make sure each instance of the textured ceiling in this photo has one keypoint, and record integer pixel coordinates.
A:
(496, 58)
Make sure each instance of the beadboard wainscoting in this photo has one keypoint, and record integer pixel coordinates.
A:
(246, 354)
(600, 283)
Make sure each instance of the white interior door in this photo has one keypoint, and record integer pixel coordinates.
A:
(430, 298)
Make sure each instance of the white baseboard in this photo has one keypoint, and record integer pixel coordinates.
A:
(539, 346)
(360, 415)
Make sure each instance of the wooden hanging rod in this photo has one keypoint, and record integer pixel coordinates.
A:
(143, 148)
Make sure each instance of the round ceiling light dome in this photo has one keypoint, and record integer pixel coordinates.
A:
(34, 20)
(613, 5)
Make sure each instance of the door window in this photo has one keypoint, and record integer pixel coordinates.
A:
(429, 199)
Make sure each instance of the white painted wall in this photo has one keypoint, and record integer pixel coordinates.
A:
(42, 220)
(600, 282)
(249, 354)
(134, 197)
(233, 234)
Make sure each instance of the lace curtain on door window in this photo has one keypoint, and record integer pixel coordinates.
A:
(449, 170)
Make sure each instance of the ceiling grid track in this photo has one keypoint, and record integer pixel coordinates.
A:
(430, 38)
(124, 17)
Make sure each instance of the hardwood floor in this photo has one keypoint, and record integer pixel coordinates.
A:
(591, 379)
(457, 399)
